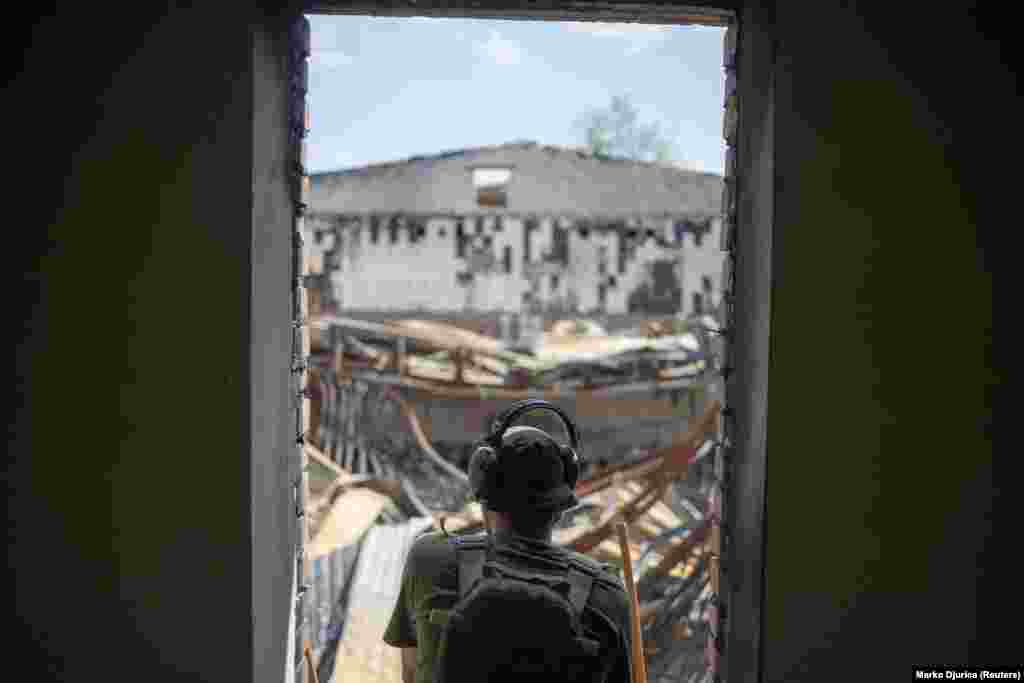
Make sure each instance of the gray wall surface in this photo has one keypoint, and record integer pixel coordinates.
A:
(275, 459)
(747, 389)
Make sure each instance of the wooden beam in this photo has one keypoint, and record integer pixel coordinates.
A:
(350, 516)
(423, 442)
(625, 513)
(637, 661)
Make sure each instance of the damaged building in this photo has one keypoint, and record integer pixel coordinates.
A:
(517, 228)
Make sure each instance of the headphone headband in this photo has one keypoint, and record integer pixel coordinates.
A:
(526, 406)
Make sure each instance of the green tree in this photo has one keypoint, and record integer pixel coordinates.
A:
(616, 131)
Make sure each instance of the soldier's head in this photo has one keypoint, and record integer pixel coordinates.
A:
(531, 477)
(522, 475)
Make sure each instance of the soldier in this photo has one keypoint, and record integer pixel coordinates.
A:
(507, 603)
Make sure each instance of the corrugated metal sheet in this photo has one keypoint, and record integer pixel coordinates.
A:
(362, 655)
(329, 576)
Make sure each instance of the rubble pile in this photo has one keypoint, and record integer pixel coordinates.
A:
(443, 358)
(382, 468)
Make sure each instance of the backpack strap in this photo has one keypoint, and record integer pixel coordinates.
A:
(580, 585)
(471, 568)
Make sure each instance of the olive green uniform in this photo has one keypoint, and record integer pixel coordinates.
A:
(430, 581)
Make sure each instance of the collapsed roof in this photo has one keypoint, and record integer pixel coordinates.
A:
(544, 179)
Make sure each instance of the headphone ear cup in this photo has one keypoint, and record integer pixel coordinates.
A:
(571, 465)
(481, 470)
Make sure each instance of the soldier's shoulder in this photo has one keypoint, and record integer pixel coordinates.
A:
(605, 571)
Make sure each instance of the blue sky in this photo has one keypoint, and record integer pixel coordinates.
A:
(383, 89)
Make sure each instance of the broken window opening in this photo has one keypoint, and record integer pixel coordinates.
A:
(374, 230)
(560, 245)
(491, 186)
(460, 240)
(529, 228)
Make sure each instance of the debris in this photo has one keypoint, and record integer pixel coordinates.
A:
(361, 654)
(310, 666)
(385, 473)
(638, 663)
(406, 353)
(350, 516)
(424, 443)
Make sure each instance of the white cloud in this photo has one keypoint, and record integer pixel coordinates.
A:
(501, 50)
(638, 37)
(330, 59)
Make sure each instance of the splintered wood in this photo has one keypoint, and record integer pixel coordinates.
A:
(350, 516)
(363, 491)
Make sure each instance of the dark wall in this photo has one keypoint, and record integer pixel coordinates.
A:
(151, 388)
(880, 482)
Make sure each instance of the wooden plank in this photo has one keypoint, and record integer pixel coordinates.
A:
(447, 371)
(440, 332)
(492, 365)
(554, 392)
(660, 512)
(627, 512)
(672, 461)
(682, 551)
(318, 456)
(423, 442)
(637, 661)
(431, 334)
(351, 515)
(310, 665)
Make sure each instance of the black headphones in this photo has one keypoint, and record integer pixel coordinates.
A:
(486, 458)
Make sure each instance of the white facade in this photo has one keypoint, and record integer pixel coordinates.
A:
(423, 273)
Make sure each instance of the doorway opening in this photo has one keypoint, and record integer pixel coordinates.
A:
(499, 233)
